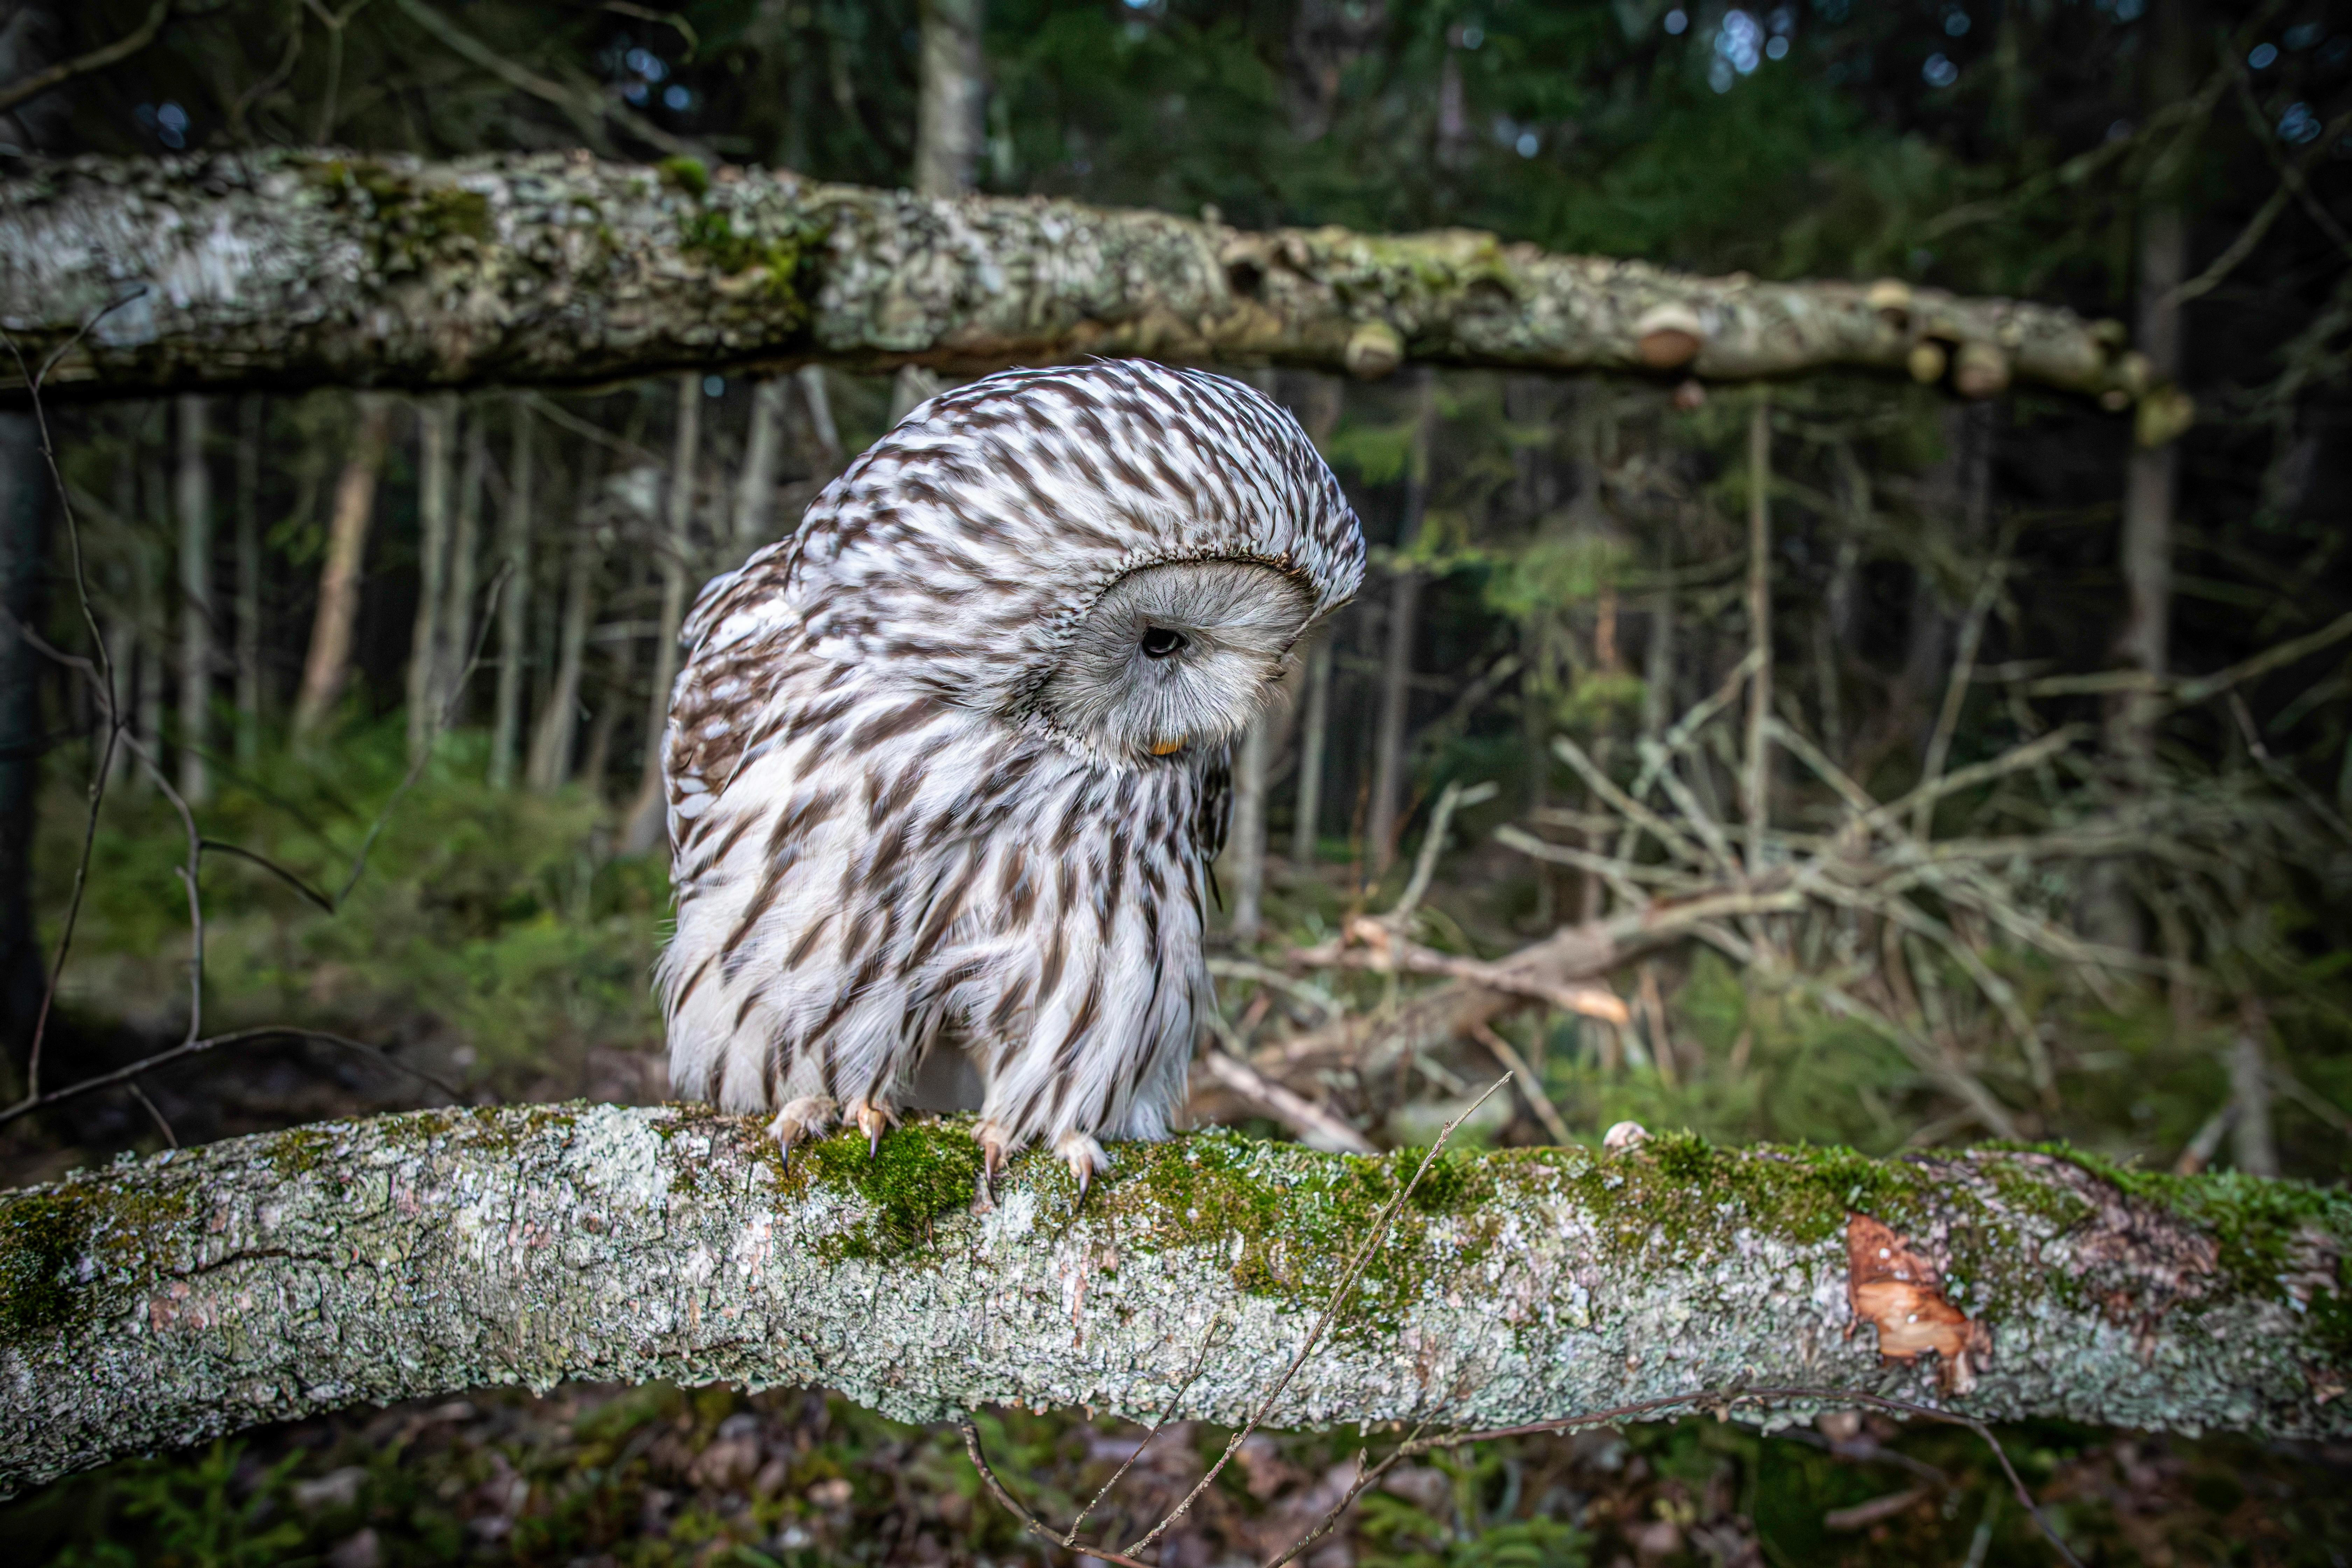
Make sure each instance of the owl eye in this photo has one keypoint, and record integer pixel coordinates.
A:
(1158, 642)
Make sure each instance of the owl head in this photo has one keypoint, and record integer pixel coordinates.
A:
(1120, 553)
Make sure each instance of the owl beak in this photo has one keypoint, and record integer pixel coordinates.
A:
(1168, 748)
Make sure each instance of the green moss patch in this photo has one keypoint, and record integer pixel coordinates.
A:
(922, 1171)
(416, 222)
(687, 174)
(784, 261)
(42, 1238)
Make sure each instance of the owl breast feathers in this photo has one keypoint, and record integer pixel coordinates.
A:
(951, 762)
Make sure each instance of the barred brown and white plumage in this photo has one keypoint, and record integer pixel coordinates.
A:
(951, 762)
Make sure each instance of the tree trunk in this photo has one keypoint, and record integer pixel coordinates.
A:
(755, 488)
(27, 495)
(811, 378)
(437, 432)
(2254, 1145)
(1756, 787)
(2150, 476)
(950, 118)
(120, 628)
(161, 1301)
(1314, 733)
(193, 495)
(514, 602)
(465, 550)
(559, 723)
(329, 664)
(252, 416)
(648, 815)
(311, 269)
(1390, 762)
(148, 602)
(1246, 848)
(1318, 406)
(620, 676)
(948, 127)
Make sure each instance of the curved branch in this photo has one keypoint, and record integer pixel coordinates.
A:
(105, 55)
(285, 269)
(160, 1302)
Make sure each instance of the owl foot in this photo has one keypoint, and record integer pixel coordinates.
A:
(1084, 1156)
(872, 1117)
(993, 1144)
(804, 1118)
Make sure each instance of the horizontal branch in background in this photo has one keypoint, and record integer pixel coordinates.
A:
(157, 1302)
(284, 269)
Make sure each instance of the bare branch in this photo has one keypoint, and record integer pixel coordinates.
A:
(703, 267)
(99, 59)
(181, 1298)
(1316, 1126)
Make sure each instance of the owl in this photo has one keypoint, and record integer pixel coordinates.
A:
(950, 763)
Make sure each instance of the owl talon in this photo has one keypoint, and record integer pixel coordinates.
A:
(992, 1142)
(1084, 1157)
(800, 1118)
(873, 1116)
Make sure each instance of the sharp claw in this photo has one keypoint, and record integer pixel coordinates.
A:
(1086, 1174)
(874, 1141)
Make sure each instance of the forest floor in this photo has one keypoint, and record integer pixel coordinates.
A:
(592, 1476)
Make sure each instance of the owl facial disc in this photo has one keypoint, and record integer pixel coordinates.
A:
(1176, 652)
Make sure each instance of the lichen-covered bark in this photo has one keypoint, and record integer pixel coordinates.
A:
(163, 1301)
(292, 269)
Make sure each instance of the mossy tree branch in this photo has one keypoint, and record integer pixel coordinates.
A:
(157, 1302)
(285, 269)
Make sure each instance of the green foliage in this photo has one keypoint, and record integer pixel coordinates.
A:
(1404, 1537)
(1550, 570)
(199, 1514)
(501, 917)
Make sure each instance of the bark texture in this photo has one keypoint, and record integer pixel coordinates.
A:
(299, 268)
(159, 1301)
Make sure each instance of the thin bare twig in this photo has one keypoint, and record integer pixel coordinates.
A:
(1208, 1342)
(1389, 955)
(1956, 690)
(161, 1124)
(1338, 1300)
(1531, 1085)
(1316, 1126)
(1424, 865)
(1305, 991)
(1030, 1521)
(197, 1047)
(99, 59)
(103, 670)
(1669, 837)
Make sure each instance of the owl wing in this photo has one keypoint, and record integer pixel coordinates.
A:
(719, 707)
(1213, 817)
